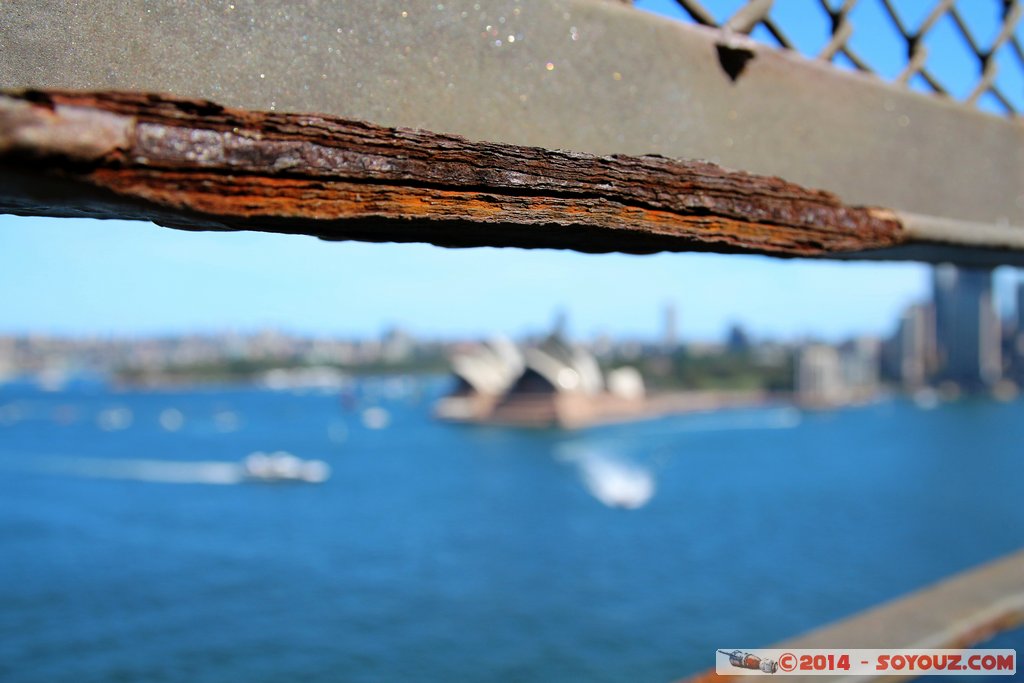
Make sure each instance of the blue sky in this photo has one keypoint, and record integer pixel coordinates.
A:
(111, 277)
(86, 276)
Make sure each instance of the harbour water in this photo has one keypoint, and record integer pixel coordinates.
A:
(439, 552)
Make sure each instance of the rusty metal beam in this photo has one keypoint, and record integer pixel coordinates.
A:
(594, 77)
(194, 164)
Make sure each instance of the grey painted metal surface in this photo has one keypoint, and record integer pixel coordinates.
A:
(995, 54)
(590, 76)
(956, 612)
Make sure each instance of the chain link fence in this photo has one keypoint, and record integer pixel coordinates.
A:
(971, 51)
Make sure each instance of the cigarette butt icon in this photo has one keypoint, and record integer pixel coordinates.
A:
(745, 660)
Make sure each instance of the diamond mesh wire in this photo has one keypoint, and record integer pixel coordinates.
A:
(994, 68)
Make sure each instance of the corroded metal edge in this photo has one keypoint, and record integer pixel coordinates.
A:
(620, 81)
(196, 165)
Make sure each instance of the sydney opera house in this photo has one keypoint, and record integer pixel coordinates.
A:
(553, 384)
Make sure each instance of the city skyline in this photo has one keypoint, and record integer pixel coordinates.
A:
(954, 341)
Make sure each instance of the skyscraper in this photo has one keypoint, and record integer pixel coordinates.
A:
(670, 338)
(967, 328)
(1015, 347)
(560, 326)
(1019, 321)
(915, 346)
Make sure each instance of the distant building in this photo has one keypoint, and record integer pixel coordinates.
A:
(967, 328)
(819, 376)
(914, 346)
(560, 325)
(1015, 345)
(737, 340)
(396, 345)
(7, 358)
(829, 375)
(859, 364)
(551, 384)
(704, 349)
(770, 353)
(483, 373)
(670, 335)
(627, 383)
(1018, 325)
(556, 366)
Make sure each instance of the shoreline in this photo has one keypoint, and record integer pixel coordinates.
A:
(575, 411)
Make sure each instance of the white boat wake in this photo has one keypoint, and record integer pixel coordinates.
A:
(614, 482)
(208, 472)
(258, 467)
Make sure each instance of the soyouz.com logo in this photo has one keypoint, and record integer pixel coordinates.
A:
(918, 662)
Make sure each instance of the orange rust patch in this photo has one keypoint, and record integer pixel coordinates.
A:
(340, 179)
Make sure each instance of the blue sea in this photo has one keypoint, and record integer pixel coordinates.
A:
(446, 553)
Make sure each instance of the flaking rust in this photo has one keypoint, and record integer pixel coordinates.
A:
(197, 165)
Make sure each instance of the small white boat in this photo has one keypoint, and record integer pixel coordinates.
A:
(282, 466)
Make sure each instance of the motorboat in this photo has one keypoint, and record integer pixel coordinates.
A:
(281, 466)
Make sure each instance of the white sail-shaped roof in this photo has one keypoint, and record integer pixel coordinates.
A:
(490, 368)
